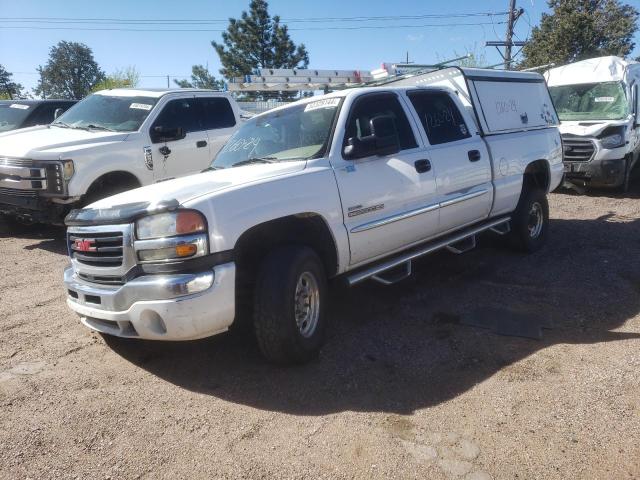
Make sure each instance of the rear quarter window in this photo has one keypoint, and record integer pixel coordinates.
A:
(217, 113)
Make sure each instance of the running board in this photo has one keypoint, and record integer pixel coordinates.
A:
(404, 259)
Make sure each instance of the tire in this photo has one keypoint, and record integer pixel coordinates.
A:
(285, 274)
(530, 221)
(626, 182)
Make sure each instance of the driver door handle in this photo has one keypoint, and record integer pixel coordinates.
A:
(201, 143)
(422, 166)
(474, 155)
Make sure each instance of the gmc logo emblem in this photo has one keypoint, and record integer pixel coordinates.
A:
(84, 245)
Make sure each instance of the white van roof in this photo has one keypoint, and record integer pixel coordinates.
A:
(594, 70)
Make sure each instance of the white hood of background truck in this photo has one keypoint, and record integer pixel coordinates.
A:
(50, 143)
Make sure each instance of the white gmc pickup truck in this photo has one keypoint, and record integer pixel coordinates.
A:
(112, 141)
(354, 184)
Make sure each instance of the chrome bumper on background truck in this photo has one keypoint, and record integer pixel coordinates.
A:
(110, 291)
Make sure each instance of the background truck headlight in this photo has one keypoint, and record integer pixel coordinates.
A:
(612, 141)
(67, 169)
(171, 236)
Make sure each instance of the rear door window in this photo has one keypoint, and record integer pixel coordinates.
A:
(217, 113)
(440, 117)
(371, 106)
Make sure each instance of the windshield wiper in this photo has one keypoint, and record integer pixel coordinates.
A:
(100, 127)
(61, 125)
(256, 160)
(212, 167)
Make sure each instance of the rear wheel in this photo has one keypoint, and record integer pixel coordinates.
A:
(289, 305)
(530, 221)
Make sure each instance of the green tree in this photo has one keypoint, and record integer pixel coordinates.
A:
(125, 78)
(201, 78)
(581, 29)
(257, 40)
(8, 88)
(71, 72)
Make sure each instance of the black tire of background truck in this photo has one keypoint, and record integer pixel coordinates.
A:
(626, 182)
(281, 277)
(528, 231)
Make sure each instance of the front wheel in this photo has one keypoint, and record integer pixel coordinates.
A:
(289, 305)
(530, 221)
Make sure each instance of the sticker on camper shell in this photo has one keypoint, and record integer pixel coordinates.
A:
(19, 105)
(141, 106)
(326, 103)
(604, 99)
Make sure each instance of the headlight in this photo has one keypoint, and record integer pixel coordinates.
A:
(171, 236)
(612, 141)
(170, 224)
(67, 169)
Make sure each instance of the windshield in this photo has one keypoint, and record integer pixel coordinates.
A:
(298, 132)
(590, 101)
(103, 112)
(12, 115)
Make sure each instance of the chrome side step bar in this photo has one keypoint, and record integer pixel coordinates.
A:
(404, 259)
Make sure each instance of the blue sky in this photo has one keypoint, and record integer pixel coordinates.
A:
(156, 53)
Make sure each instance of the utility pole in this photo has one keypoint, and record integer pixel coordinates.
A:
(508, 44)
(168, 81)
(510, 25)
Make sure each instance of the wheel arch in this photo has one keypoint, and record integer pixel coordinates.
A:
(306, 228)
(537, 174)
(115, 177)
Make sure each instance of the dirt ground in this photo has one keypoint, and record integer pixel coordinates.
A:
(403, 389)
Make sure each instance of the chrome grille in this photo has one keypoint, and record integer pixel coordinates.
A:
(14, 192)
(97, 249)
(578, 149)
(113, 257)
(16, 162)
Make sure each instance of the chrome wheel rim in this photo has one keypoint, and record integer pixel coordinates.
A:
(536, 220)
(307, 304)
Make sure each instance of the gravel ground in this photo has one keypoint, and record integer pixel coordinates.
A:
(403, 388)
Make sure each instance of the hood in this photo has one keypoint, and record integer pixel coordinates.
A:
(187, 188)
(588, 128)
(50, 143)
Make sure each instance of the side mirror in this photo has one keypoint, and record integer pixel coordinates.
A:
(384, 140)
(167, 134)
(383, 129)
(57, 112)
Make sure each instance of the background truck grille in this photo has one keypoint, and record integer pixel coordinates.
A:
(14, 192)
(16, 162)
(104, 249)
(577, 149)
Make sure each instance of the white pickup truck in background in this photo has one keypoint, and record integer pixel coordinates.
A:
(599, 107)
(112, 141)
(355, 184)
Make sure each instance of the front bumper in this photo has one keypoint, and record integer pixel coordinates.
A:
(157, 307)
(30, 205)
(597, 172)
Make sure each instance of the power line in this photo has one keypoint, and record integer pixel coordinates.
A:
(363, 27)
(201, 21)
